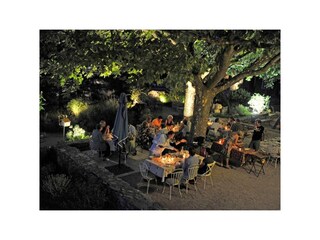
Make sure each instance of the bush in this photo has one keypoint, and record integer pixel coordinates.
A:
(102, 111)
(49, 121)
(56, 185)
(76, 106)
(259, 103)
(76, 133)
(242, 110)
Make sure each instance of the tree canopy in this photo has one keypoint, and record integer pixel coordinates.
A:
(213, 60)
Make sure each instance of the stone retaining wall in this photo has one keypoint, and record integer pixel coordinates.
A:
(120, 194)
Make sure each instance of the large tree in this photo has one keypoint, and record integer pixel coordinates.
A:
(212, 60)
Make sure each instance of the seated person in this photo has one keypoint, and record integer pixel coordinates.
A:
(236, 126)
(225, 131)
(208, 159)
(145, 135)
(156, 123)
(230, 141)
(162, 142)
(184, 128)
(215, 129)
(107, 135)
(98, 143)
(191, 161)
(179, 141)
(169, 121)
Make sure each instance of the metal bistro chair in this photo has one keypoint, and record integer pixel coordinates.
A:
(253, 168)
(192, 175)
(274, 156)
(207, 174)
(95, 148)
(174, 180)
(146, 175)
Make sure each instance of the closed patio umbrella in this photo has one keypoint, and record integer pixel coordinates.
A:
(120, 127)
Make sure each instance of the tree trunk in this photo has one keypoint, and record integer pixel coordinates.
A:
(202, 107)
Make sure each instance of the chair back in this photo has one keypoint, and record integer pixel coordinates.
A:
(209, 168)
(193, 172)
(176, 176)
(143, 169)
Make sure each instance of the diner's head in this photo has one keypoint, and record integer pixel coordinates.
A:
(148, 118)
(169, 127)
(160, 118)
(209, 151)
(170, 117)
(238, 120)
(192, 151)
(231, 119)
(217, 119)
(98, 126)
(103, 123)
(170, 134)
(258, 122)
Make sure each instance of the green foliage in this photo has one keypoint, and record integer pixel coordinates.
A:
(56, 185)
(271, 76)
(166, 56)
(102, 111)
(76, 106)
(243, 111)
(243, 60)
(49, 122)
(42, 102)
(76, 133)
(241, 96)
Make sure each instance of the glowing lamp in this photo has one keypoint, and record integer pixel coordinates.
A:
(64, 122)
(189, 100)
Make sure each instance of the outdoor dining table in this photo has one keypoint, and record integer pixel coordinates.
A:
(162, 167)
(241, 156)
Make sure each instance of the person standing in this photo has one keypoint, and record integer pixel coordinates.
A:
(257, 135)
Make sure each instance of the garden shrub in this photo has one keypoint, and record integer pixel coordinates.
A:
(259, 103)
(242, 110)
(49, 121)
(76, 133)
(56, 184)
(76, 106)
(102, 111)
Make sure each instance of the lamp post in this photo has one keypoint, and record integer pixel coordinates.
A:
(64, 122)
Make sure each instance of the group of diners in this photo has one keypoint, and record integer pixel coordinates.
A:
(102, 139)
(151, 130)
(232, 134)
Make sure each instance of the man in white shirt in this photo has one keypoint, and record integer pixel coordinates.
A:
(160, 143)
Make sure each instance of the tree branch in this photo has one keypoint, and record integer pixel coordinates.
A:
(250, 72)
(222, 68)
